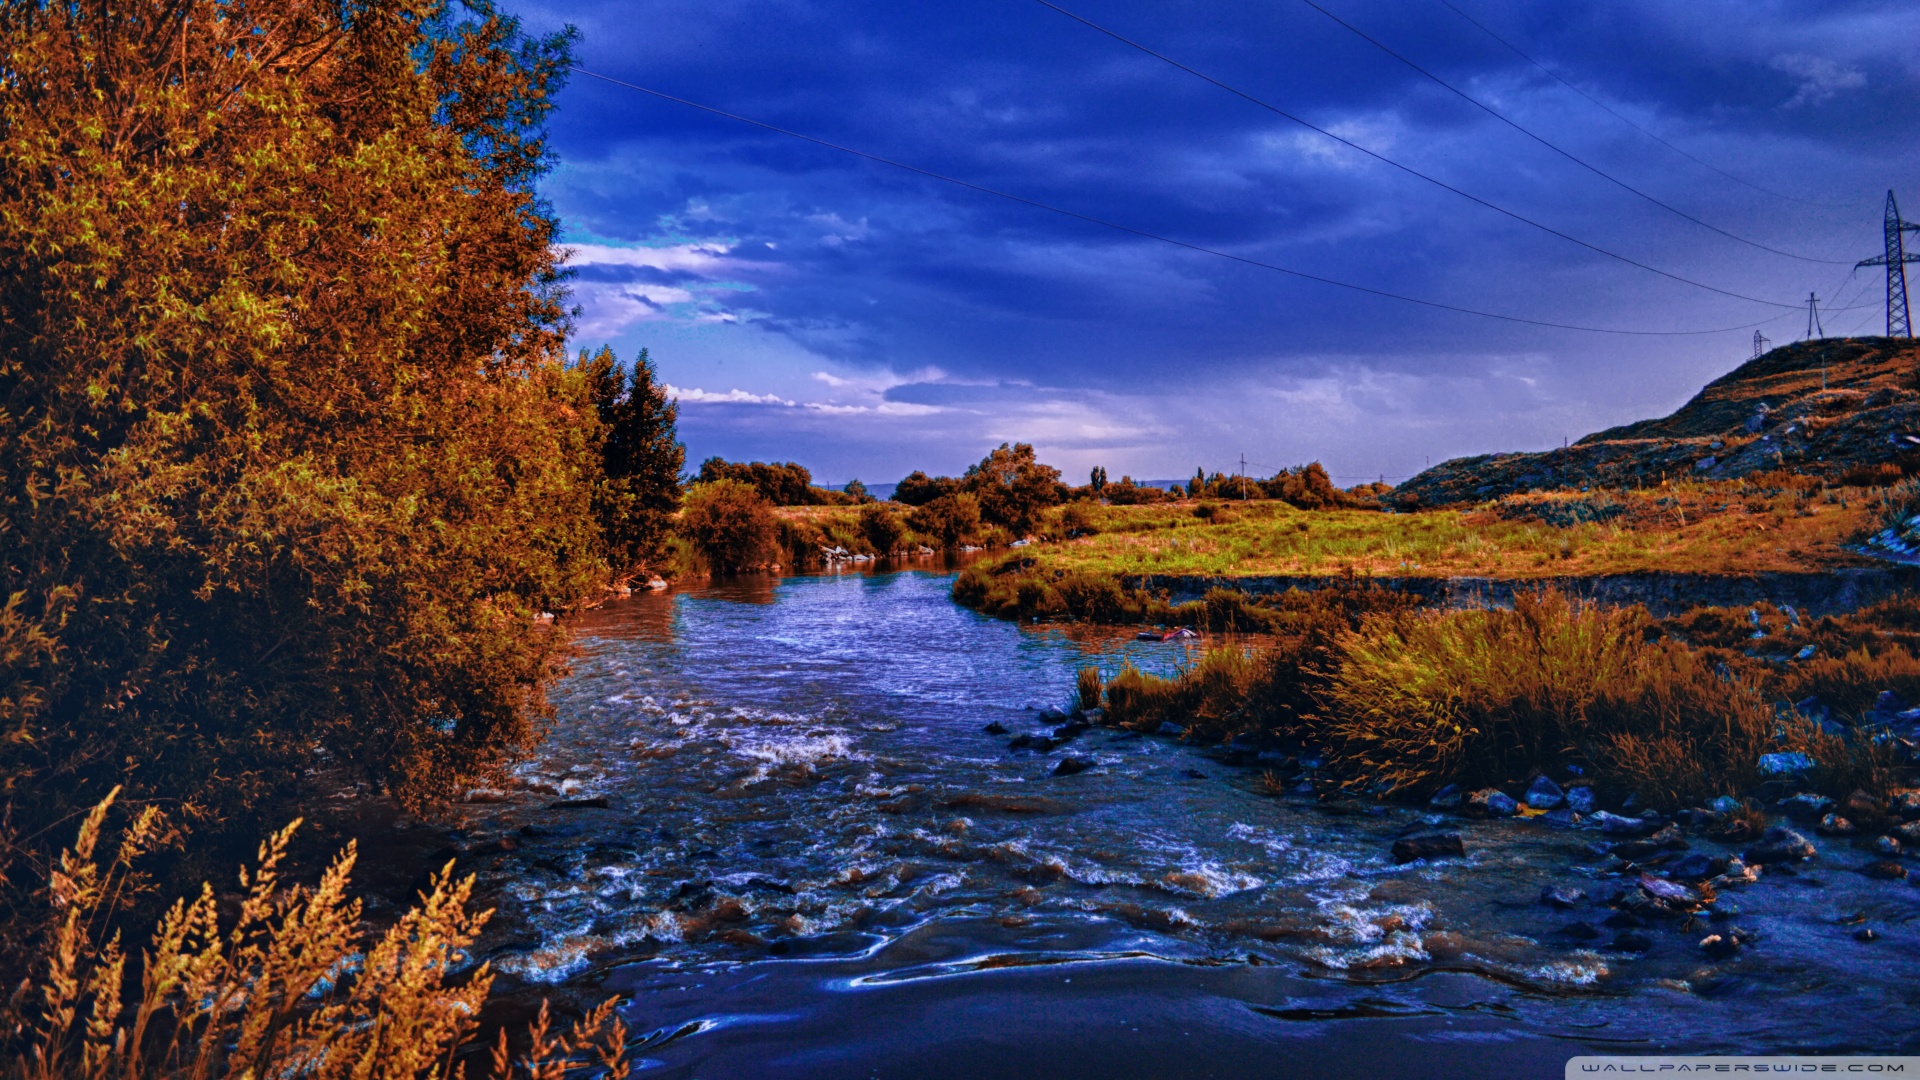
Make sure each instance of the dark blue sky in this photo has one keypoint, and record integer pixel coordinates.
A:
(864, 321)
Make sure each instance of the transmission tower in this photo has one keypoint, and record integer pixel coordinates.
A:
(1895, 260)
(1814, 329)
(1760, 344)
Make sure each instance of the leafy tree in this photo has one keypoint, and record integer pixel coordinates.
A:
(1013, 487)
(641, 458)
(857, 489)
(952, 519)
(1098, 478)
(731, 524)
(290, 458)
(780, 483)
(919, 489)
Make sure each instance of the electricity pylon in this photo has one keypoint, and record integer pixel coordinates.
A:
(1895, 260)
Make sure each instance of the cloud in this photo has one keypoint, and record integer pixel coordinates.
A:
(701, 258)
(695, 395)
(1821, 79)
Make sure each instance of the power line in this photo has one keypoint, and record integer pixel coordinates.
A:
(1408, 169)
(1570, 156)
(1516, 50)
(1202, 249)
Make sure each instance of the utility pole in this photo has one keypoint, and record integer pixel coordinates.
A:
(1760, 345)
(1243, 477)
(1895, 259)
(1813, 317)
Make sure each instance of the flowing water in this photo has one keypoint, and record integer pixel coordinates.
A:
(812, 861)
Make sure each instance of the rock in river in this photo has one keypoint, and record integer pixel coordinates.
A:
(1886, 870)
(1561, 896)
(1492, 802)
(1780, 845)
(1428, 846)
(1617, 825)
(995, 728)
(1070, 765)
(1580, 799)
(1544, 794)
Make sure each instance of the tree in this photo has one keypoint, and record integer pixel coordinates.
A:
(882, 527)
(780, 483)
(1013, 487)
(1097, 479)
(919, 489)
(951, 519)
(290, 458)
(730, 524)
(641, 458)
(858, 490)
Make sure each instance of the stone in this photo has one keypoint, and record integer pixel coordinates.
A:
(1696, 867)
(1907, 806)
(1834, 825)
(1861, 806)
(1623, 920)
(1887, 846)
(1886, 870)
(1866, 933)
(1792, 763)
(1725, 804)
(1561, 896)
(1447, 798)
(1544, 794)
(1780, 845)
(1581, 800)
(1908, 834)
(1070, 765)
(1617, 825)
(593, 802)
(1727, 943)
(1561, 818)
(1428, 846)
(1633, 941)
(1581, 931)
(1168, 727)
(1492, 802)
(1889, 703)
(1805, 806)
(995, 728)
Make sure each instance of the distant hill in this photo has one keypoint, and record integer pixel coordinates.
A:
(1770, 413)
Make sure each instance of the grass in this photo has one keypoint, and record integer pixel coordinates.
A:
(1728, 527)
(285, 982)
(1404, 701)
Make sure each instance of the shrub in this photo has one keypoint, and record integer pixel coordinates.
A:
(951, 519)
(293, 460)
(1013, 487)
(882, 528)
(1077, 519)
(782, 484)
(730, 524)
(919, 489)
(1087, 688)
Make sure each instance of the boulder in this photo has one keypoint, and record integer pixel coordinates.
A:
(1618, 825)
(1633, 941)
(1581, 799)
(1780, 845)
(1696, 867)
(1492, 802)
(1887, 846)
(1906, 806)
(1544, 794)
(1561, 818)
(995, 728)
(1168, 727)
(1428, 846)
(1908, 834)
(1070, 765)
(1561, 896)
(1785, 765)
(1834, 825)
(1725, 804)
(1447, 798)
(1805, 806)
(1885, 870)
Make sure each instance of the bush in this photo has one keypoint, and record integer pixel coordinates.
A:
(951, 519)
(1013, 487)
(882, 528)
(919, 489)
(730, 524)
(293, 461)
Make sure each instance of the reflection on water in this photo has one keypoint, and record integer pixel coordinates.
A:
(810, 850)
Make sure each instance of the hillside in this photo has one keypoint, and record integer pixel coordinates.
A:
(1830, 408)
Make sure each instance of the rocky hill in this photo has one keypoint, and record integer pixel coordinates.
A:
(1843, 409)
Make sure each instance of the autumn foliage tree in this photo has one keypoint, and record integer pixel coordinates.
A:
(290, 459)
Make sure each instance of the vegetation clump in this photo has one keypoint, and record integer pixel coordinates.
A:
(730, 525)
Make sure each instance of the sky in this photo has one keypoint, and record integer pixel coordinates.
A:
(865, 320)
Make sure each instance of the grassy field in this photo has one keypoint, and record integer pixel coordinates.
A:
(1726, 527)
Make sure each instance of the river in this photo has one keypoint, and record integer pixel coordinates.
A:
(812, 861)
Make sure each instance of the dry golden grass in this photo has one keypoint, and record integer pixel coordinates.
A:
(1728, 527)
(290, 987)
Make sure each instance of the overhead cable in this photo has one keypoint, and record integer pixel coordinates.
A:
(1543, 141)
(1623, 118)
(1408, 169)
(1144, 234)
